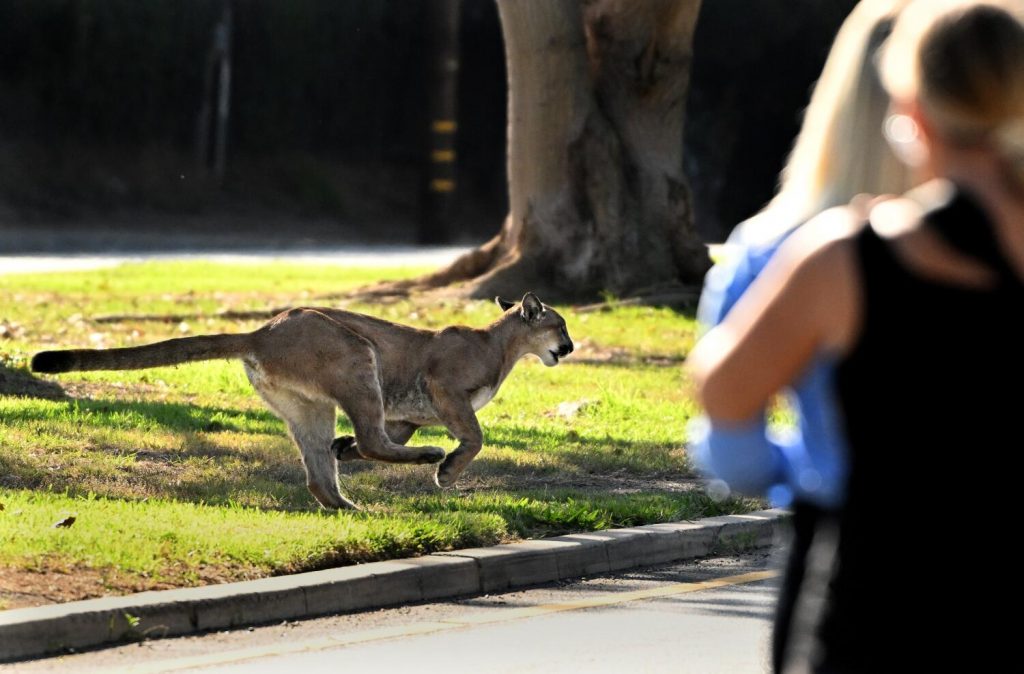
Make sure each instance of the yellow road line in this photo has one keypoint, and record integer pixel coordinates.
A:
(495, 616)
(613, 598)
(240, 655)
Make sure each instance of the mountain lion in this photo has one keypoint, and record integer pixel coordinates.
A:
(389, 379)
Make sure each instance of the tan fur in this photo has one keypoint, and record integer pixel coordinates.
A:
(389, 379)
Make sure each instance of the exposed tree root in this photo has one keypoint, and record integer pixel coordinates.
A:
(248, 315)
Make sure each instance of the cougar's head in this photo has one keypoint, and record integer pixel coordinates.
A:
(544, 329)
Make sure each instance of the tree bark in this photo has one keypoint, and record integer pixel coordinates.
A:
(598, 199)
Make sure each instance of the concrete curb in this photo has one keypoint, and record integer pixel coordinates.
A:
(31, 632)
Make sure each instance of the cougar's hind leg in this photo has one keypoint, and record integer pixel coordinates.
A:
(311, 426)
(313, 435)
(346, 449)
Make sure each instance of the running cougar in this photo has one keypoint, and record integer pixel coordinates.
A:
(389, 379)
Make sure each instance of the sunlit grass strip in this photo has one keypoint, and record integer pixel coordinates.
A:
(175, 541)
(181, 475)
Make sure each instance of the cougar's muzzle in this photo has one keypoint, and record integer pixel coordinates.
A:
(564, 347)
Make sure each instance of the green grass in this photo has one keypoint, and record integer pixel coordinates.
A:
(177, 476)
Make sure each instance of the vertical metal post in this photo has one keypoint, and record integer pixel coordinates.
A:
(216, 82)
(223, 93)
(440, 180)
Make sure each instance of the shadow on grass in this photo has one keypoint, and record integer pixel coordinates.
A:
(516, 437)
(277, 482)
(263, 479)
(172, 416)
(580, 459)
(532, 438)
(199, 473)
(278, 489)
(609, 451)
(17, 473)
(23, 384)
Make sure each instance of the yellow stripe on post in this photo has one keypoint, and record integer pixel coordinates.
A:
(443, 156)
(443, 126)
(442, 185)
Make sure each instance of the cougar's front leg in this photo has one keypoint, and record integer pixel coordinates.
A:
(456, 412)
(359, 396)
(346, 449)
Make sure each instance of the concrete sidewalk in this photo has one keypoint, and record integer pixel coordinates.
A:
(26, 633)
(346, 256)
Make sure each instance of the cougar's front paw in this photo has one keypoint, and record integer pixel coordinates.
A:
(447, 473)
(431, 454)
(344, 448)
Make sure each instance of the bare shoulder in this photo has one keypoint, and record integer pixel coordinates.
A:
(805, 303)
(818, 275)
(835, 224)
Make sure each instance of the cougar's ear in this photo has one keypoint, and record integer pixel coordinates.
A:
(532, 308)
(504, 304)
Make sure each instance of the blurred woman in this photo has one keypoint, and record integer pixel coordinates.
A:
(918, 309)
(838, 155)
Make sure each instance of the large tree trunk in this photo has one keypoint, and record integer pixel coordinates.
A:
(598, 199)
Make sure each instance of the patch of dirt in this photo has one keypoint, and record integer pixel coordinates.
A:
(125, 392)
(603, 484)
(52, 584)
(21, 589)
(588, 352)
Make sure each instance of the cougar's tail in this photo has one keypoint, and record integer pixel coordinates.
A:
(170, 352)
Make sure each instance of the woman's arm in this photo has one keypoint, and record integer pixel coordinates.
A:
(740, 455)
(806, 301)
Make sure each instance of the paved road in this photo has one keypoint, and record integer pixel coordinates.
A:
(706, 616)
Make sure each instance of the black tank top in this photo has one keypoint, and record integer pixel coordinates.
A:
(932, 401)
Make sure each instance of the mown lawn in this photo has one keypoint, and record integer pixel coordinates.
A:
(178, 476)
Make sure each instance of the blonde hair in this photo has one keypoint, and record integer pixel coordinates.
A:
(840, 151)
(964, 64)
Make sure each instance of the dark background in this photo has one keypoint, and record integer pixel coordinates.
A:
(99, 101)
